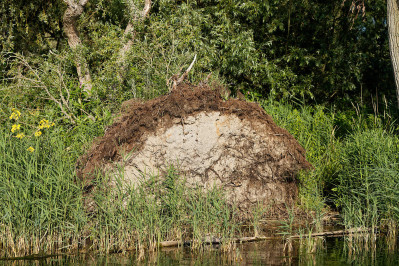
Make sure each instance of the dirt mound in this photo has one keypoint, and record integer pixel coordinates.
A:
(233, 144)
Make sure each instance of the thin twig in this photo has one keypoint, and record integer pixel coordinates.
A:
(335, 233)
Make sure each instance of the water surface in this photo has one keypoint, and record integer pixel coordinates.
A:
(323, 251)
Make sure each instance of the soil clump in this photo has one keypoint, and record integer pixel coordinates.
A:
(232, 144)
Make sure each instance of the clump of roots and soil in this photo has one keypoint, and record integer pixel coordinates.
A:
(233, 145)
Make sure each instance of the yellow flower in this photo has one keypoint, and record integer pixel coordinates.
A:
(20, 135)
(31, 149)
(38, 133)
(15, 127)
(45, 124)
(15, 114)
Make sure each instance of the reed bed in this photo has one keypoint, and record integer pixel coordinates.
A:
(41, 210)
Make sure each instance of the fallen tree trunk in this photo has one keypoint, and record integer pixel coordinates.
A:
(216, 241)
(335, 233)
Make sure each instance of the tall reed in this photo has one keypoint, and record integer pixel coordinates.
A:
(160, 208)
(367, 181)
(40, 206)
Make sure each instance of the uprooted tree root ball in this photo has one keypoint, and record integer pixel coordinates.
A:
(230, 144)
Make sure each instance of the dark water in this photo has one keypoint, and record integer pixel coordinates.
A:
(323, 251)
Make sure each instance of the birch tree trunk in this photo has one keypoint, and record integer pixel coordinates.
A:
(393, 33)
(71, 15)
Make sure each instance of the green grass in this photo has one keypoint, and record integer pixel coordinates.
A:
(367, 182)
(160, 209)
(314, 129)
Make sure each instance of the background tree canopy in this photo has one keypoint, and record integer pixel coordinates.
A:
(311, 51)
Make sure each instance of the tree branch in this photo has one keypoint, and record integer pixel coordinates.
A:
(214, 240)
(185, 74)
(42, 85)
(131, 31)
(147, 8)
(83, 2)
(176, 80)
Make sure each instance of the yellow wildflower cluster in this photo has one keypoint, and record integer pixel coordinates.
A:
(45, 124)
(15, 114)
(15, 127)
(20, 135)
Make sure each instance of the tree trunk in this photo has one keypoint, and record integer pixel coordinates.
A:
(129, 35)
(393, 32)
(128, 43)
(71, 15)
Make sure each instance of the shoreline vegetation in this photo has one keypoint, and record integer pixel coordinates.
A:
(43, 213)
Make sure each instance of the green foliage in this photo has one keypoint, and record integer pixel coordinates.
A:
(291, 51)
(314, 51)
(356, 171)
(30, 27)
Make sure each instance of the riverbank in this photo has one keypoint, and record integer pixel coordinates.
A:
(356, 172)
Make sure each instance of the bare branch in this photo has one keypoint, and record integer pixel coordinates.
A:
(175, 80)
(68, 2)
(185, 74)
(73, 3)
(40, 84)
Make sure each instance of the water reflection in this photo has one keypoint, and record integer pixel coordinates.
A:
(316, 251)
